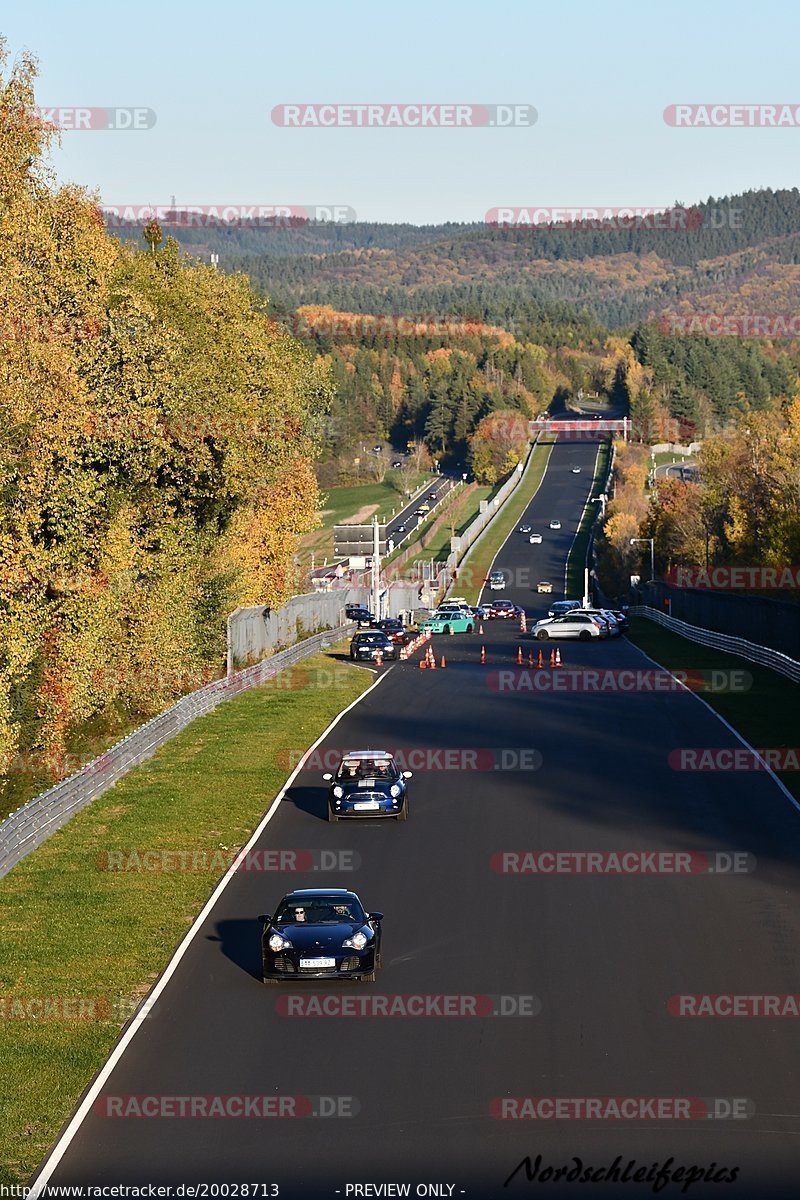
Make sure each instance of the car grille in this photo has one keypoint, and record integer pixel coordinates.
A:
(284, 964)
(350, 964)
(357, 797)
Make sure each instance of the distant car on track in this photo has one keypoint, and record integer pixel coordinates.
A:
(369, 642)
(497, 581)
(367, 783)
(395, 629)
(573, 625)
(449, 620)
(559, 607)
(321, 933)
(357, 612)
(524, 529)
(555, 524)
(535, 539)
(576, 470)
(502, 609)
(544, 585)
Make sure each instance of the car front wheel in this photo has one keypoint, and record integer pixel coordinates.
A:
(403, 814)
(332, 816)
(542, 635)
(470, 628)
(446, 629)
(370, 978)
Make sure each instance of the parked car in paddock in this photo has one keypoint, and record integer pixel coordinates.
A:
(572, 625)
(544, 585)
(502, 609)
(320, 933)
(395, 629)
(555, 524)
(367, 783)
(535, 539)
(449, 620)
(601, 614)
(366, 645)
(559, 607)
(497, 581)
(622, 618)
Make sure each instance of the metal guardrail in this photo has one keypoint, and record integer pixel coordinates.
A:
(32, 824)
(762, 655)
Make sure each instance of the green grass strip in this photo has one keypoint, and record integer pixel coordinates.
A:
(90, 940)
(576, 561)
(475, 566)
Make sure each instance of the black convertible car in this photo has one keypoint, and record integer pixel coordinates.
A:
(321, 933)
(368, 783)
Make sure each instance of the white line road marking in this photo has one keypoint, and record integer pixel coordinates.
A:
(63, 1142)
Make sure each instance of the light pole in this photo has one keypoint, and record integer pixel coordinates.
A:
(652, 556)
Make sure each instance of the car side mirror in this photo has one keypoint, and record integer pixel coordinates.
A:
(376, 916)
(265, 917)
(327, 775)
(408, 774)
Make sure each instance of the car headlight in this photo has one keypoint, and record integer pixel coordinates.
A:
(357, 942)
(277, 942)
(395, 790)
(338, 792)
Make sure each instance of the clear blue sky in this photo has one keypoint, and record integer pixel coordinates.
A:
(598, 74)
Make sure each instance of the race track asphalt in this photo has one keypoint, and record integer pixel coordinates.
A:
(595, 957)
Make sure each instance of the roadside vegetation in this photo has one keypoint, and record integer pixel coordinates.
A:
(75, 932)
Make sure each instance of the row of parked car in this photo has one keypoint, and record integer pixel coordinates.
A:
(569, 619)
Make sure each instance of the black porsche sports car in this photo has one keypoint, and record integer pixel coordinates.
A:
(368, 783)
(321, 933)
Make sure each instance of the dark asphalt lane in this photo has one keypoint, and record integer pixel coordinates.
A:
(601, 953)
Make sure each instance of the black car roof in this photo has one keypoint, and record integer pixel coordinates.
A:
(320, 893)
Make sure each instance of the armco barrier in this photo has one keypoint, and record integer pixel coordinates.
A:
(764, 656)
(32, 824)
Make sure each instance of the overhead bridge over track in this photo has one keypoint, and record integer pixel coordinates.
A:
(581, 429)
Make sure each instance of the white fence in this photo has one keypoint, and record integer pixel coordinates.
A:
(762, 655)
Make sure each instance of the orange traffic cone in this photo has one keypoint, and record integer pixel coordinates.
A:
(540, 661)
(451, 631)
(444, 664)
(379, 659)
(423, 664)
(552, 658)
(530, 658)
(558, 657)
(480, 630)
(483, 654)
(519, 656)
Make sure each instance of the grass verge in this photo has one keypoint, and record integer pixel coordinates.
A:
(475, 566)
(576, 560)
(91, 941)
(764, 711)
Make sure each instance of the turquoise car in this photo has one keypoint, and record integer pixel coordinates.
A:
(452, 620)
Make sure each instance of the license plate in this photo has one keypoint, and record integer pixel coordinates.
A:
(366, 804)
(317, 964)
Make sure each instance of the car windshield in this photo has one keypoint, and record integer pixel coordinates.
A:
(366, 768)
(322, 910)
(371, 638)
